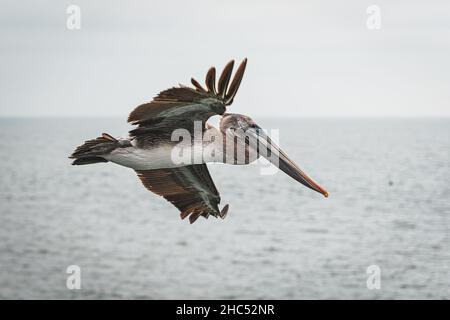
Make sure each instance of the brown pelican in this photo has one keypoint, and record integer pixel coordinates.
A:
(153, 148)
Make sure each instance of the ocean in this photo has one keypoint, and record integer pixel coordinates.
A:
(389, 206)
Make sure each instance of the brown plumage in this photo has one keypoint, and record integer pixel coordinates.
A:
(163, 102)
(108, 137)
(225, 79)
(235, 83)
(94, 147)
(210, 80)
(180, 107)
(183, 96)
(197, 85)
(190, 189)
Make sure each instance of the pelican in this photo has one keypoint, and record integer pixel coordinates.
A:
(153, 148)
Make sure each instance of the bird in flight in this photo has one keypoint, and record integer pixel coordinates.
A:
(177, 170)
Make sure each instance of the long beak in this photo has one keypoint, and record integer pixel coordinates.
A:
(278, 157)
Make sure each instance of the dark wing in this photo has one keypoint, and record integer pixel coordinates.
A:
(189, 188)
(180, 107)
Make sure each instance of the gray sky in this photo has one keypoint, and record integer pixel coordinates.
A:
(306, 58)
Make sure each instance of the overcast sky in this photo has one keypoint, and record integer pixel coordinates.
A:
(306, 58)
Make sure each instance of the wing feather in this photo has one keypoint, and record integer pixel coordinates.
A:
(236, 82)
(180, 107)
(210, 80)
(190, 189)
(225, 79)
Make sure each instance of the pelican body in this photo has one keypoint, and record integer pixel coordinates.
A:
(173, 142)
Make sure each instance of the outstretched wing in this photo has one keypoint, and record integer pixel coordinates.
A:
(188, 188)
(180, 107)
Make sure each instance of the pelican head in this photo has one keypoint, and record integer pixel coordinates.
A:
(248, 132)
